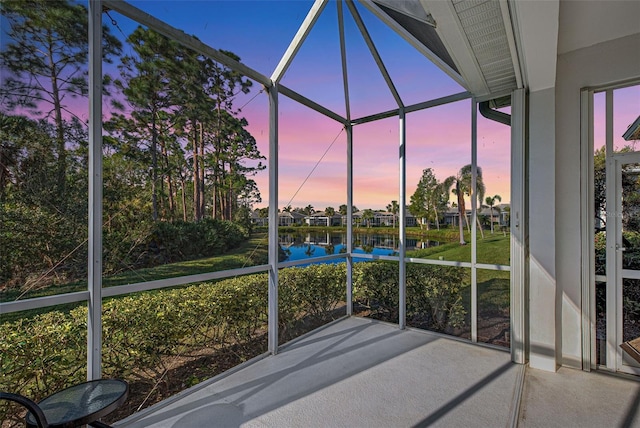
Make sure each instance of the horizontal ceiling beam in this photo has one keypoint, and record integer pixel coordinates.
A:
(289, 93)
(414, 107)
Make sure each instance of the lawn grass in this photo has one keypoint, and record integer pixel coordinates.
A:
(493, 249)
(493, 286)
(253, 251)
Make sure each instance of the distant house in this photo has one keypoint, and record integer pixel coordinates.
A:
(284, 219)
(290, 218)
(322, 219)
(257, 220)
(499, 215)
(380, 218)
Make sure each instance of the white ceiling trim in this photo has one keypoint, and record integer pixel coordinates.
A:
(536, 25)
(402, 32)
(506, 17)
(450, 30)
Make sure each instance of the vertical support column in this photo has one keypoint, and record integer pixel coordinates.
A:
(518, 228)
(402, 301)
(474, 219)
(349, 129)
(545, 299)
(611, 268)
(587, 226)
(274, 246)
(94, 321)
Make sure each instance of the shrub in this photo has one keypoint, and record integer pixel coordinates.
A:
(170, 242)
(313, 291)
(47, 352)
(375, 285)
(434, 293)
(41, 248)
(38, 246)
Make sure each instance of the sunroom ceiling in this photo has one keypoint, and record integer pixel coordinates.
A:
(474, 38)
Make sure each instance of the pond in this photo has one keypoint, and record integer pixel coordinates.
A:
(300, 246)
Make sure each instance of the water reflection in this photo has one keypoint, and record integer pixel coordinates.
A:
(300, 246)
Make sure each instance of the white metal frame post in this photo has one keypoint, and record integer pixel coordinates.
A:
(587, 226)
(274, 246)
(612, 273)
(94, 320)
(349, 132)
(349, 219)
(474, 219)
(402, 263)
(518, 227)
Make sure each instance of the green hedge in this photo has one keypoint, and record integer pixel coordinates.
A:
(47, 248)
(159, 243)
(47, 352)
(434, 297)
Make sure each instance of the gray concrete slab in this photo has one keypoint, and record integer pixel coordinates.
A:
(574, 398)
(354, 373)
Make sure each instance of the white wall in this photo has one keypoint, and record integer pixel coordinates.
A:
(543, 325)
(604, 63)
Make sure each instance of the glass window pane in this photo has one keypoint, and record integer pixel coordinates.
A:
(630, 309)
(630, 314)
(631, 216)
(626, 105)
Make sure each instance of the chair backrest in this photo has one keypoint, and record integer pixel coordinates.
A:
(29, 404)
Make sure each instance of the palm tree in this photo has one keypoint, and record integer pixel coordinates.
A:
(393, 208)
(439, 200)
(330, 212)
(367, 216)
(461, 184)
(491, 200)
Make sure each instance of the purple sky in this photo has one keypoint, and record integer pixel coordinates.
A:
(439, 138)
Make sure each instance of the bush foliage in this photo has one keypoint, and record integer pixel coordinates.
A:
(44, 249)
(47, 352)
(434, 298)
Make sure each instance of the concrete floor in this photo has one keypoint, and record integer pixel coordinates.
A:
(574, 398)
(361, 373)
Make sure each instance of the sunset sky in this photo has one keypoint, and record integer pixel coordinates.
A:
(260, 32)
(438, 138)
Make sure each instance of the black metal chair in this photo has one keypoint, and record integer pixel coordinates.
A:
(31, 406)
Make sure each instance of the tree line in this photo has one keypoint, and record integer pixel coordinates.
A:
(175, 146)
